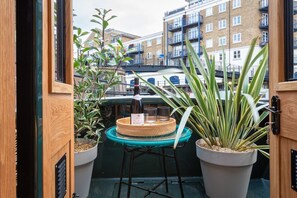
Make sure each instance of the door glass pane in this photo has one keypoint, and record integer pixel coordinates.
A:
(59, 40)
(291, 39)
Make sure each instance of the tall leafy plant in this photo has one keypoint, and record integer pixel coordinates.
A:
(230, 120)
(94, 80)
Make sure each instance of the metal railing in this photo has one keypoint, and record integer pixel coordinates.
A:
(190, 21)
(137, 48)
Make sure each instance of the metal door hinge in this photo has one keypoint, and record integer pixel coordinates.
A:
(275, 115)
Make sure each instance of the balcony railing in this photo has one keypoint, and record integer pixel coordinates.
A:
(174, 40)
(190, 21)
(178, 54)
(174, 26)
(192, 36)
(135, 49)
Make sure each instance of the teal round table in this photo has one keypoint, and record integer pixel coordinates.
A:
(137, 146)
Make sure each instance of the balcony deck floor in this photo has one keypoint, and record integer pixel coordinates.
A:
(193, 187)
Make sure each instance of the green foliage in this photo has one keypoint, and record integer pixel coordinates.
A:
(97, 68)
(230, 121)
(101, 19)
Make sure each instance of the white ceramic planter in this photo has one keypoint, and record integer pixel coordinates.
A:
(83, 170)
(225, 174)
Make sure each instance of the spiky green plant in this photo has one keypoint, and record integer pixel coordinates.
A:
(229, 122)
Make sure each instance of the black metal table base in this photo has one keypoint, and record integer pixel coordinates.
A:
(137, 152)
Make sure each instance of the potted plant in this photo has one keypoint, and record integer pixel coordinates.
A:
(227, 122)
(96, 71)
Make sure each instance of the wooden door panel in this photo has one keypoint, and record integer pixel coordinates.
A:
(7, 100)
(58, 135)
(288, 114)
(281, 145)
(60, 122)
(285, 167)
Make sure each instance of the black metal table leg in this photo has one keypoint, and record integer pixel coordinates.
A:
(164, 168)
(122, 171)
(130, 173)
(178, 174)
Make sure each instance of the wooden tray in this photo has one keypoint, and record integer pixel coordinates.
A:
(153, 129)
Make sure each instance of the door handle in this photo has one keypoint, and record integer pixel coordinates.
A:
(275, 114)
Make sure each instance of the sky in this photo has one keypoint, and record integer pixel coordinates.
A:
(139, 17)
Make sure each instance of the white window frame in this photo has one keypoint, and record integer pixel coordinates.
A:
(222, 41)
(177, 37)
(236, 54)
(159, 40)
(237, 38)
(236, 20)
(193, 17)
(208, 43)
(265, 36)
(222, 7)
(193, 33)
(222, 24)
(149, 43)
(177, 51)
(209, 27)
(208, 11)
(236, 4)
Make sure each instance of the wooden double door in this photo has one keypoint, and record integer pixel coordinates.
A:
(36, 99)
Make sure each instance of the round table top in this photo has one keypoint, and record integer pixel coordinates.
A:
(155, 141)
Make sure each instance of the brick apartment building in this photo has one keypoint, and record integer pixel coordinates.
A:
(219, 25)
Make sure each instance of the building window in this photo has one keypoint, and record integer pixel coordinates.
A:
(222, 7)
(177, 51)
(149, 55)
(237, 38)
(177, 37)
(208, 43)
(222, 41)
(264, 37)
(193, 33)
(149, 43)
(222, 24)
(193, 18)
(159, 41)
(208, 11)
(195, 46)
(236, 54)
(236, 20)
(236, 3)
(209, 27)
(264, 19)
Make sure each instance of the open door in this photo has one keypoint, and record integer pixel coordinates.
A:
(283, 84)
(57, 99)
(7, 100)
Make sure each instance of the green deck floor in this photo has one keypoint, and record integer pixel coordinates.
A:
(193, 187)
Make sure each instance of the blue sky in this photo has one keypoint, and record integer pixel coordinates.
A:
(140, 17)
